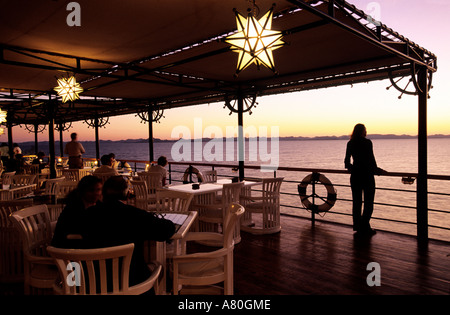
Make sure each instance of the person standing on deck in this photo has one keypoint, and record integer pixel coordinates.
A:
(362, 179)
(74, 149)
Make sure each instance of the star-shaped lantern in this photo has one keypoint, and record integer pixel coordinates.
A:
(255, 41)
(68, 89)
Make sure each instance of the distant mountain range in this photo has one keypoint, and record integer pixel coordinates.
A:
(372, 136)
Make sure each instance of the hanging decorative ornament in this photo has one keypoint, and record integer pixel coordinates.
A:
(255, 40)
(68, 89)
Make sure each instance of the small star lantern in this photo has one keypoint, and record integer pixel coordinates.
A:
(68, 89)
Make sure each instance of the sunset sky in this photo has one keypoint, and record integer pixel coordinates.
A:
(332, 111)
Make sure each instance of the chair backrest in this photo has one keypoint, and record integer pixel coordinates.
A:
(104, 176)
(71, 174)
(169, 200)
(233, 213)
(141, 193)
(231, 193)
(96, 271)
(22, 180)
(7, 177)
(62, 188)
(33, 169)
(271, 186)
(153, 180)
(50, 185)
(35, 229)
(11, 255)
(8, 207)
(209, 176)
(271, 192)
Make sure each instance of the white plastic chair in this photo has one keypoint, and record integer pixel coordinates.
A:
(212, 217)
(168, 200)
(33, 224)
(153, 180)
(11, 251)
(99, 271)
(71, 174)
(62, 188)
(22, 180)
(210, 176)
(194, 271)
(140, 190)
(267, 205)
(50, 185)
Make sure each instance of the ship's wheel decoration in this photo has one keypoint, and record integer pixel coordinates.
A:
(63, 126)
(35, 128)
(249, 104)
(102, 122)
(408, 84)
(157, 115)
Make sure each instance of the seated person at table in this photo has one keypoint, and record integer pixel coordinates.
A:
(160, 168)
(39, 161)
(113, 223)
(123, 165)
(71, 220)
(114, 162)
(106, 167)
(16, 164)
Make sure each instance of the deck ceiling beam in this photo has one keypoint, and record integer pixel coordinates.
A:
(429, 64)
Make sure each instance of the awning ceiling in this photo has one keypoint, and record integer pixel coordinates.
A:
(129, 54)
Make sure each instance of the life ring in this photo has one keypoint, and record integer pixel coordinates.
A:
(187, 178)
(331, 193)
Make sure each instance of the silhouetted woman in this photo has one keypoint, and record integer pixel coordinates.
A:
(362, 180)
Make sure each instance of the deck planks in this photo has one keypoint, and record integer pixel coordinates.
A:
(329, 259)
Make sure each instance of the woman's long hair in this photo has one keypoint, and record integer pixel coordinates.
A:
(358, 132)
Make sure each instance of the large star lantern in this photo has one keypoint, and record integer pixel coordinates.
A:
(68, 89)
(255, 40)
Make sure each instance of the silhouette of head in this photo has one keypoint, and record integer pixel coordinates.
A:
(359, 131)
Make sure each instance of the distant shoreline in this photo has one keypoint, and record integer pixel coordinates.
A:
(299, 138)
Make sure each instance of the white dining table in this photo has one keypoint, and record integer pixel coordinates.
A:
(158, 250)
(206, 195)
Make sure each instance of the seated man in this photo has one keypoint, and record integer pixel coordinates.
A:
(113, 223)
(106, 167)
(160, 168)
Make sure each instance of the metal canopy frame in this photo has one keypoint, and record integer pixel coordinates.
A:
(199, 71)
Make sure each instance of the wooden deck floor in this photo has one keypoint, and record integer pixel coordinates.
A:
(329, 259)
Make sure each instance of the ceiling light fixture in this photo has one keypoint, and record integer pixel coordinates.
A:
(255, 40)
(2, 120)
(68, 89)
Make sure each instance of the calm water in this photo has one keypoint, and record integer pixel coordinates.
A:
(391, 155)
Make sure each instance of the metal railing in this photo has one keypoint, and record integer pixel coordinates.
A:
(291, 204)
